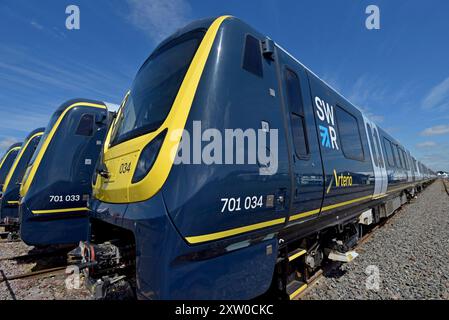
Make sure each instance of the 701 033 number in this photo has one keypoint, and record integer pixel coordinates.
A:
(67, 198)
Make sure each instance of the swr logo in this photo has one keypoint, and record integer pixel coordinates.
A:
(325, 113)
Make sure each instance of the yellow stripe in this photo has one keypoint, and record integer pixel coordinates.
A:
(327, 208)
(301, 289)
(7, 154)
(16, 162)
(232, 232)
(59, 210)
(26, 184)
(304, 214)
(345, 203)
(341, 204)
(13, 202)
(296, 255)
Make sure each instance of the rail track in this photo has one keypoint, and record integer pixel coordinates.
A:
(36, 255)
(32, 274)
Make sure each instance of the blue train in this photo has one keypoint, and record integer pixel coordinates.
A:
(7, 161)
(230, 231)
(9, 206)
(58, 182)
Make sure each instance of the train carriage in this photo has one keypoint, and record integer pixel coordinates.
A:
(186, 231)
(58, 182)
(7, 161)
(9, 207)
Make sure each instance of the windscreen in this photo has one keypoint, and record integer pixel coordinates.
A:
(50, 125)
(155, 87)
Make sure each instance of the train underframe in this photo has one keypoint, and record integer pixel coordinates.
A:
(108, 261)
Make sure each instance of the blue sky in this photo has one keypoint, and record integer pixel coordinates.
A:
(399, 75)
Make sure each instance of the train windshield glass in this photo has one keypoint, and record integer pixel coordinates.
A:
(155, 87)
(50, 125)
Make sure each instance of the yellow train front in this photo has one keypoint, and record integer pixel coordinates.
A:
(186, 215)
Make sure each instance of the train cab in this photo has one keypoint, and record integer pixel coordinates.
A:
(58, 181)
(7, 161)
(9, 208)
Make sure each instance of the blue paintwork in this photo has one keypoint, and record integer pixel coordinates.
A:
(238, 267)
(63, 172)
(7, 164)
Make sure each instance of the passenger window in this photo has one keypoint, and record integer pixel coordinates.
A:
(252, 59)
(397, 158)
(297, 118)
(379, 155)
(373, 148)
(389, 152)
(86, 125)
(351, 143)
(404, 157)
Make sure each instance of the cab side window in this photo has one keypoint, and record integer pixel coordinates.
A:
(252, 58)
(86, 125)
(297, 118)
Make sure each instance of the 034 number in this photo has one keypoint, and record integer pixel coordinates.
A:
(237, 204)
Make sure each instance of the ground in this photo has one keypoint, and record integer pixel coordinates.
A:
(38, 288)
(408, 258)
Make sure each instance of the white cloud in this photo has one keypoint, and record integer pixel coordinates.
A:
(36, 25)
(6, 142)
(158, 18)
(436, 130)
(426, 144)
(438, 96)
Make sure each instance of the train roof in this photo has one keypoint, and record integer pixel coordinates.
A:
(15, 145)
(32, 133)
(197, 24)
(68, 103)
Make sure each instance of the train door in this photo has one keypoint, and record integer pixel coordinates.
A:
(377, 158)
(308, 182)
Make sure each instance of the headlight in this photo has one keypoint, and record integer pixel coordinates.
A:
(148, 156)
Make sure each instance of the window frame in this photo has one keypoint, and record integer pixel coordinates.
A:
(287, 69)
(338, 106)
(386, 140)
(371, 142)
(261, 75)
(79, 123)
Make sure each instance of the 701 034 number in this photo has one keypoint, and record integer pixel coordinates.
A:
(237, 204)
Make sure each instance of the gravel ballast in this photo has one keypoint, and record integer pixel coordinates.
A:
(408, 258)
(38, 288)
